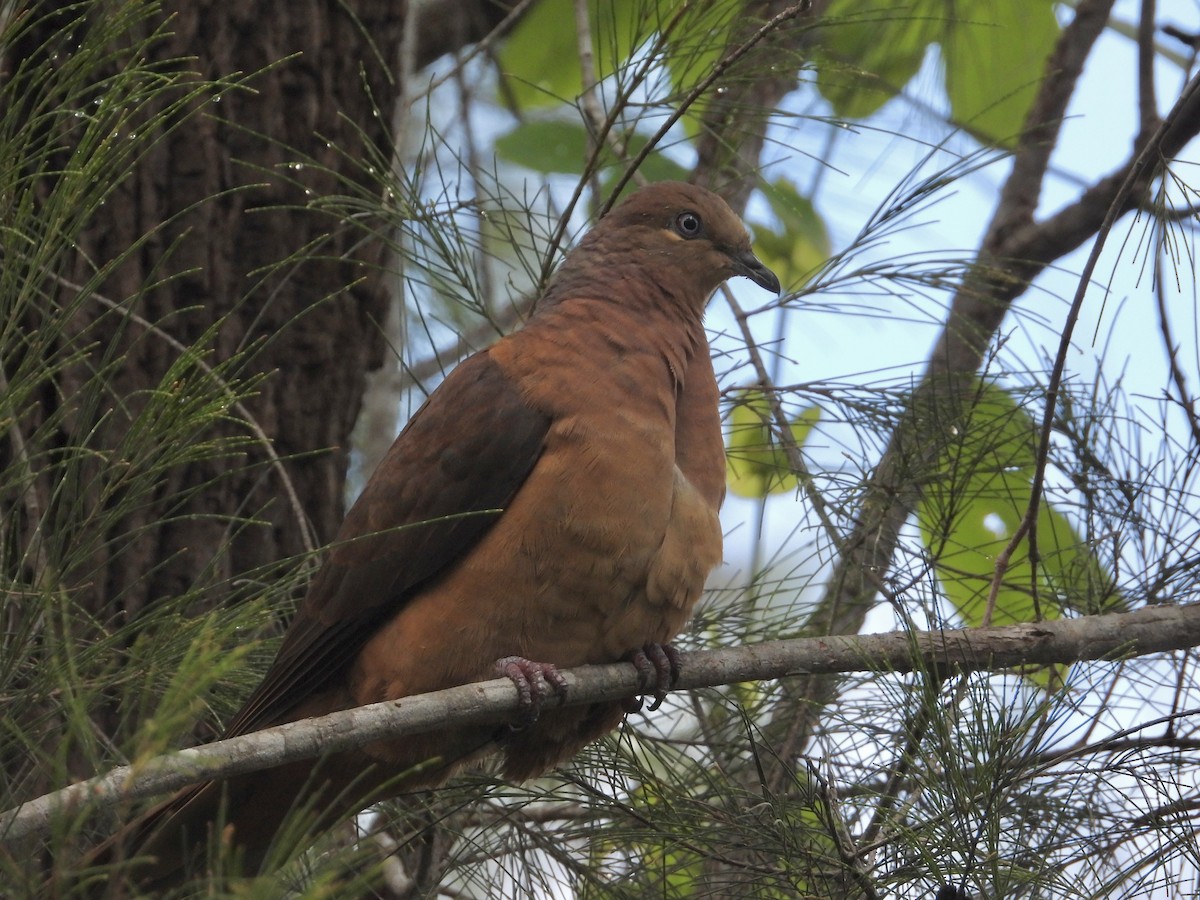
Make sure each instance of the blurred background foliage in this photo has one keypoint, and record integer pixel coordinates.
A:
(239, 244)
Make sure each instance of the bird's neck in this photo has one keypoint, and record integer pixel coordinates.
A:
(637, 279)
(666, 330)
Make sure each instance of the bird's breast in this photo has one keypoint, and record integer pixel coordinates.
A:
(605, 547)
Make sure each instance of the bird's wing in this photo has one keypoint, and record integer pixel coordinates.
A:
(444, 482)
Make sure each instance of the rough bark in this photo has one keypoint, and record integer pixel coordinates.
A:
(225, 205)
(224, 198)
(220, 213)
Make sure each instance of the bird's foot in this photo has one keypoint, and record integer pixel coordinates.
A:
(658, 670)
(534, 682)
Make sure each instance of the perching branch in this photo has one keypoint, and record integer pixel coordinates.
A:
(1153, 629)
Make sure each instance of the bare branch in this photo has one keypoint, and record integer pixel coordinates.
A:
(1045, 118)
(1154, 629)
(1147, 95)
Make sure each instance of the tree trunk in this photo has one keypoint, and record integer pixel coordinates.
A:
(224, 198)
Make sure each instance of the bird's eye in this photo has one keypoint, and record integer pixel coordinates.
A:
(688, 225)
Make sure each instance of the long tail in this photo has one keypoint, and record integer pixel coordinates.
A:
(268, 816)
(272, 813)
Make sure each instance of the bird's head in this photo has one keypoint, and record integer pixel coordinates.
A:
(683, 239)
(690, 233)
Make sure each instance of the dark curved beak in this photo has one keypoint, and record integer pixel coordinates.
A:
(746, 263)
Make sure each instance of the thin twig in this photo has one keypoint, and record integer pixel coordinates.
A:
(781, 426)
(306, 533)
(1172, 350)
(35, 505)
(484, 45)
(599, 131)
(847, 847)
(619, 105)
(589, 99)
(698, 91)
(1046, 115)
(1148, 159)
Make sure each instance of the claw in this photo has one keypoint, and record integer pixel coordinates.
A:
(658, 668)
(534, 681)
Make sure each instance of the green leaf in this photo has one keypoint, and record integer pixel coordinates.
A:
(981, 522)
(801, 245)
(1072, 573)
(698, 41)
(554, 145)
(994, 54)
(755, 466)
(974, 504)
(545, 146)
(870, 50)
(541, 56)
(656, 167)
